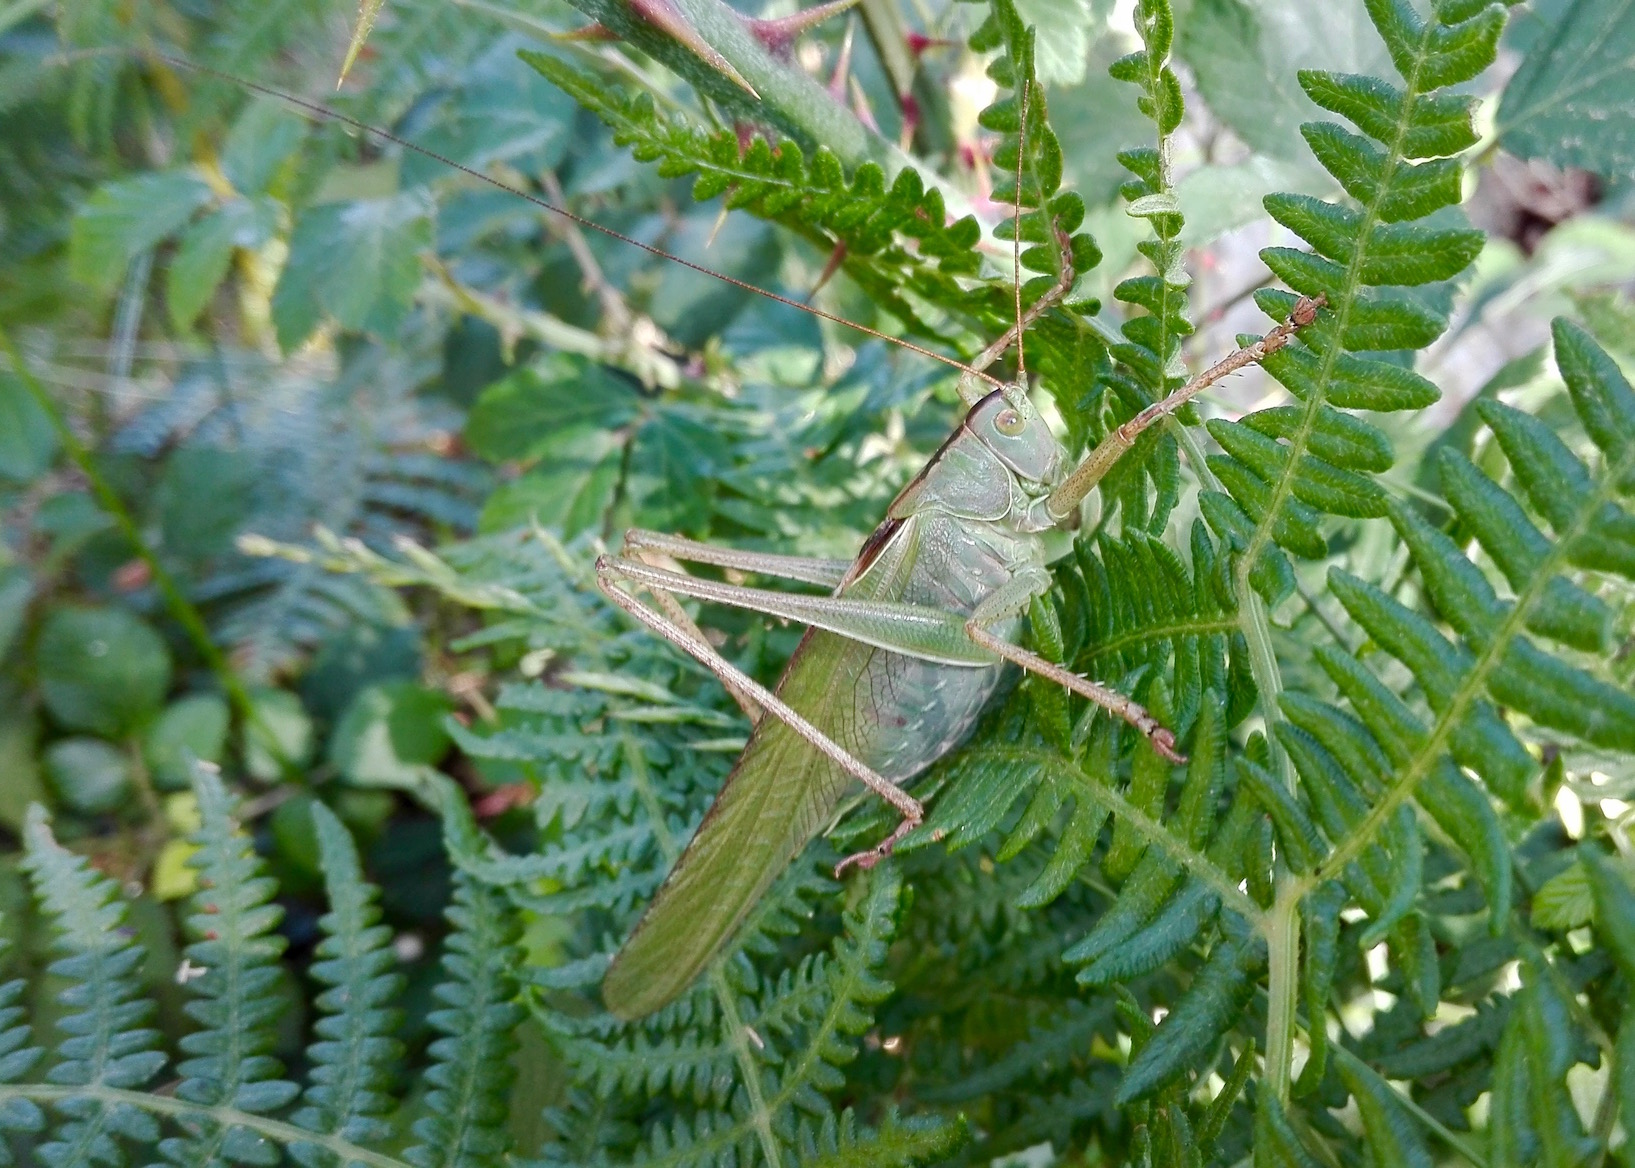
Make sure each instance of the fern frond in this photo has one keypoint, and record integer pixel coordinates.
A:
(895, 1143)
(799, 1057)
(864, 219)
(234, 957)
(366, 480)
(1148, 359)
(1047, 217)
(354, 1058)
(1382, 263)
(1349, 823)
(812, 196)
(17, 1058)
(109, 1043)
(854, 985)
(1494, 658)
(471, 1073)
(1133, 607)
(1052, 1045)
(1533, 1121)
(686, 1066)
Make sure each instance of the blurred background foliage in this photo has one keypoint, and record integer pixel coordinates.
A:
(257, 324)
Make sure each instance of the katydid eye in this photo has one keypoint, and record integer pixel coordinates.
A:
(1009, 423)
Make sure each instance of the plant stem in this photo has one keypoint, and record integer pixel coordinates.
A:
(1281, 925)
(182, 610)
(1281, 928)
(749, 1070)
(222, 1117)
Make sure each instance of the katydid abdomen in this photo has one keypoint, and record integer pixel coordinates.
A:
(895, 713)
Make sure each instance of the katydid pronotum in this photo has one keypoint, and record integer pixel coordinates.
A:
(903, 650)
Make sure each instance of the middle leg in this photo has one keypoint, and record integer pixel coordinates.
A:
(1014, 598)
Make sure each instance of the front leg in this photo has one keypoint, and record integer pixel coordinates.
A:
(1012, 599)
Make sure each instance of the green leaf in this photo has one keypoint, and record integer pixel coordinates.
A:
(262, 139)
(192, 727)
(567, 491)
(206, 250)
(357, 262)
(1243, 54)
(126, 218)
(28, 442)
(89, 775)
(279, 735)
(101, 669)
(1565, 901)
(550, 408)
(1570, 102)
(391, 735)
(1613, 900)
(1218, 994)
(1393, 1135)
(504, 113)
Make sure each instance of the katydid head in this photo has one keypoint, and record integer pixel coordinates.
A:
(1007, 423)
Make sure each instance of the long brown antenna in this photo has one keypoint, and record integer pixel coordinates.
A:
(1016, 233)
(334, 115)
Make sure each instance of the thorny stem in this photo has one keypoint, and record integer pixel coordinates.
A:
(789, 98)
(182, 610)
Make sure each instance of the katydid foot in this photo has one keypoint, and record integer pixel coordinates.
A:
(868, 859)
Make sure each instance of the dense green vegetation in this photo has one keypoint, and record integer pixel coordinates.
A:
(329, 784)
